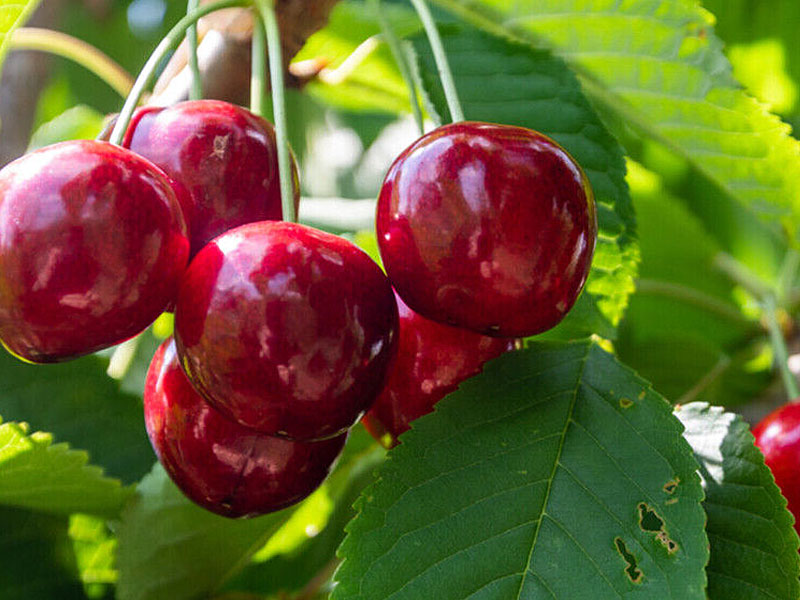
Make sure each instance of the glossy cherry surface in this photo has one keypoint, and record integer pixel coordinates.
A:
(222, 155)
(92, 248)
(286, 329)
(432, 360)
(487, 227)
(778, 438)
(222, 466)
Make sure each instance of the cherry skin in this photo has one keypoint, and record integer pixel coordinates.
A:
(432, 361)
(92, 248)
(286, 329)
(487, 227)
(220, 465)
(778, 438)
(223, 157)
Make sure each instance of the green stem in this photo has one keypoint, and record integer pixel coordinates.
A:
(258, 69)
(439, 55)
(196, 89)
(402, 62)
(779, 348)
(691, 296)
(66, 46)
(740, 274)
(146, 75)
(267, 10)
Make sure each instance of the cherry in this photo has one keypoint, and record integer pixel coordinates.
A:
(778, 438)
(220, 465)
(92, 248)
(487, 227)
(432, 360)
(223, 156)
(286, 329)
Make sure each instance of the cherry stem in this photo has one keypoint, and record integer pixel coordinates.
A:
(146, 75)
(779, 347)
(267, 10)
(78, 51)
(258, 70)
(196, 89)
(439, 55)
(402, 62)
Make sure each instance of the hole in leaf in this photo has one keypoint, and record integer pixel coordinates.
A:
(669, 544)
(632, 570)
(671, 485)
(625, 402)
(649, 519)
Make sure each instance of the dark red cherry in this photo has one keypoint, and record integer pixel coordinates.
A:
(286, 329)
(220, 465)
(487, 227)
(223, 156)
(92, 248)
(778, 438)
(432, 360)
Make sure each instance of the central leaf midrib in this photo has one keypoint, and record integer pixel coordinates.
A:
(552, 477)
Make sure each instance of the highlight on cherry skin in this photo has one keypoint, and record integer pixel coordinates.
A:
(223, 161)
(487, 227)
(217, 463)
(92, 247)
(778, 438)
(286, 329)
(432, 360)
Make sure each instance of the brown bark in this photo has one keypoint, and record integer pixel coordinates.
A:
(24, 75)
(225, 50)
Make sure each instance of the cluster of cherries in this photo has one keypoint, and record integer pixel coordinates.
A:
(284, 335)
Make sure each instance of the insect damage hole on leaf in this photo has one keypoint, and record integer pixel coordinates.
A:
(650, 521)
(632, 570)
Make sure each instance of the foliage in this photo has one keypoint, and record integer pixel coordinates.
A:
(578, 467)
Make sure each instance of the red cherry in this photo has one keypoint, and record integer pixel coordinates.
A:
(487, 227)
(286, 329)
(92, 248)
(778, 438)
(220, 465)
(223, 156)
(432, 360)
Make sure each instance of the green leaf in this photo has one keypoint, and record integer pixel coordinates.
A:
(753, 541)
(40, 475)
(13, 14)
(80, 404)
(37, 557)
(306, 545)
(95, 554)
(658, 67)
(768, 21)
(686, 330)
(374, 82)
(543, 477)
(171, 549)
(77, 123)
(504, 82)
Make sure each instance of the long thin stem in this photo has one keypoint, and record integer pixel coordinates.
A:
(267, 10)
(439, 55)
(196, 89)
(258, 70)
(402, 62)
(147, 73)
(779, 348)
(66, 46)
